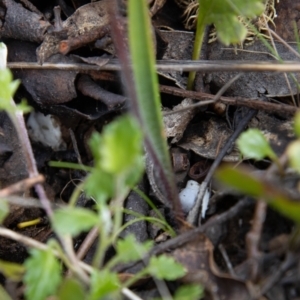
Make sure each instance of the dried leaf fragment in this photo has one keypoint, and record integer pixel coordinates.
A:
(89, 23)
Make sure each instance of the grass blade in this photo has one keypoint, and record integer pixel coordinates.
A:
(147, 90)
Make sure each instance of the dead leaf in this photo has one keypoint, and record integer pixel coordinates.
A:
(207, 137)
(197, 257)
(175, 124)
(89, 23)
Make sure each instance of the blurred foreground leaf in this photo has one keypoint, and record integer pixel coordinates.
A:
(248, 184)
(43, 275)
(293, 153)
(73, 220)
(189, 292)
(165, 267)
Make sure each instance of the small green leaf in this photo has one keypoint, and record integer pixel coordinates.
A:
(297, 124)
(104, 285)
(165, 267)
(253, 144)
(43, 274)
(4, 210)
(293, 153)
(230, 30)
(224, 15)
(7, 90)
(130, 250)
(100, 186)
(73, 220)
(121, 145)
(71, 289)
(189, 292)
(11, 270)
(24, 107)
(135, 173)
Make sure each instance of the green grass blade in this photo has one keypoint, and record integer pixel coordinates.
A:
(146, 86)
(146, 82)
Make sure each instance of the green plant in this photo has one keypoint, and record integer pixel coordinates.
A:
(253, 145)
(224, 15)
(118, 166)
(109, 178)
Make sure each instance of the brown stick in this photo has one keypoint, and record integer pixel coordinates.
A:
(21, 186)
(176, 65)
(237, 101)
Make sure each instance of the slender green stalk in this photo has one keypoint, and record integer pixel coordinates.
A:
(150, 203)
(147, 94)
(200, 30)
(101, 249)
(75, 195)
(152, 220)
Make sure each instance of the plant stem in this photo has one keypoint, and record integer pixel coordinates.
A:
(102, 245)
(200, 30)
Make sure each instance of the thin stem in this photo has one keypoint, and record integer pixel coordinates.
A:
(197, 48)
(75, 195)
(29, 242)
(101, 249)
(18, 121)
(159, 222)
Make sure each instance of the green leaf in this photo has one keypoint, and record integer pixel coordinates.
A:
(104, 284)
(43, 274)
(297, 124)
(24, 107)
(119, 163)
(7, 89)
(11, 270)
(189, 292)
(241, 180)
(100, 185)
(73, 220)
(230, 30)
(146, 83)
(121, 145)
(129, 250)
(165, 267)
(253, 144)
(71, 289)
(134, 175)
(4, 210)
(293, 153)
(246, 183)
(224, 14)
